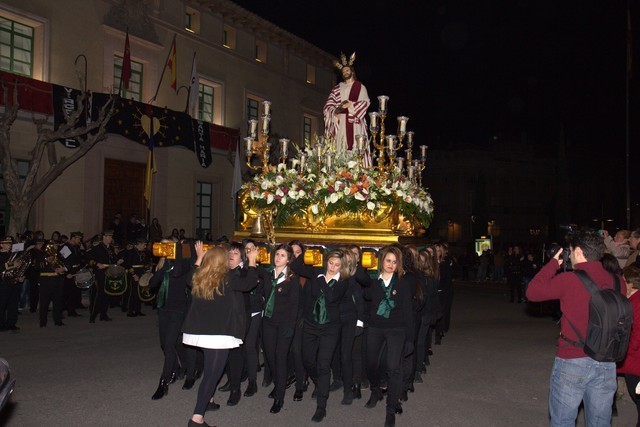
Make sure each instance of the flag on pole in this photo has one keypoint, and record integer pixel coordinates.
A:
(151, 166)
(194, 90)
(236, 183)
(126, 62)
(629, 44)
(171, 63)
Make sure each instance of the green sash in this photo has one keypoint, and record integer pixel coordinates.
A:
(320, 313)
(268, 308)
(386, 304)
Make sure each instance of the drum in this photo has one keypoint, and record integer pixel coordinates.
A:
(115, 281)
(144, 279)
(84, 278)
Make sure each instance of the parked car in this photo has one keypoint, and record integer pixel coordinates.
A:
(6, 383)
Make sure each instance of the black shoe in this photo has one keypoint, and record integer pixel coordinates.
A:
(13, 328)
(335, 385)
(252, 388)
(376, 396)
(272, 394)
(195, 424)
(131, 315)
(390, 420)
(212, 406)
(234, 397)
(298, 395)
(266, 382)
(225, 387)
(319, 415)
(139, 313)
(404, 396)
(188, 383)
(291, 380)
(399, 408)
(59, 324)
(347, 399)
(105, 318)
(92, 320)
(73, 314)
(162, 390)
(173, 378)
(277, 405)
(357, 391)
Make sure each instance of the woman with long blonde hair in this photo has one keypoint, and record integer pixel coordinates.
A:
(216, 321)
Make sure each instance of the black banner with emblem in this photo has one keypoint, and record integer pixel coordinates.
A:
(65, 103)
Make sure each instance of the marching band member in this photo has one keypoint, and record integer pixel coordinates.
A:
(136, 261)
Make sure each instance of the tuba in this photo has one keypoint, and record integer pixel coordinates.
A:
(13, 275)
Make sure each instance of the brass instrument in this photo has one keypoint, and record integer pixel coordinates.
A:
(53, 257)
(24, 259)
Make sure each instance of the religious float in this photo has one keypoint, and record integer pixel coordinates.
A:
(321, 195)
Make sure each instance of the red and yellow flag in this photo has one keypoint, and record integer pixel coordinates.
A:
(171, 63)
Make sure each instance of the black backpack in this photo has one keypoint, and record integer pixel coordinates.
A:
(610, 320)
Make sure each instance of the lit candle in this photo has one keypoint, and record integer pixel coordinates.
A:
(373, 119)
(248, 143)
(329, 160)
(382, 104)
(253, 126)
(402, 124)
(284, 146)
(411, 171)
(391, 141)
(319, 151)
(303, 160)
(266, 105)
(423, 151)
(400, 163)
(360, 139)
(265, 124)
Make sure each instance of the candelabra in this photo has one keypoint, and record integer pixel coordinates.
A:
(388, 144)
(259, 147)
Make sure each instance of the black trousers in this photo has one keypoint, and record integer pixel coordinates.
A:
(342, 362)
(34, 293)
(632, 381)
(51, 291)
(296, 352)
(235, 363)
(358, 357)
(276, 339)
(170, 330)
(394, 339)
(214, 362)
(424, 342)
(318, 345)
(99, 299)
(9, 302)
(131, 300)
(72, 295)
(409, 362)
(252, 347)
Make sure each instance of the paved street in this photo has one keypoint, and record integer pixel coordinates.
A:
(492, 369)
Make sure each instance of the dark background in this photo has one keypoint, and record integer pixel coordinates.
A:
(491, 72)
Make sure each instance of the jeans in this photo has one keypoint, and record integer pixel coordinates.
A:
(577, 380)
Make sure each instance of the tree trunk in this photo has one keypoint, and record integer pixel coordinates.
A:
(18, 218)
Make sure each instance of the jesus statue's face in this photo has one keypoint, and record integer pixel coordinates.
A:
(347, 73)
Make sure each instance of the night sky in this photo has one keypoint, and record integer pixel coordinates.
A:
(485, 72)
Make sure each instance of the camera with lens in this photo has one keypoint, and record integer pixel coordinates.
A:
(553, 250)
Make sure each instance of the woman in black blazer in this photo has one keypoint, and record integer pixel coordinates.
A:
(216, 320)
(321, 329)
(390, 323)
(281, 295)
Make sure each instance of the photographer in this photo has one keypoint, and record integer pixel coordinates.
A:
(575, 377)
